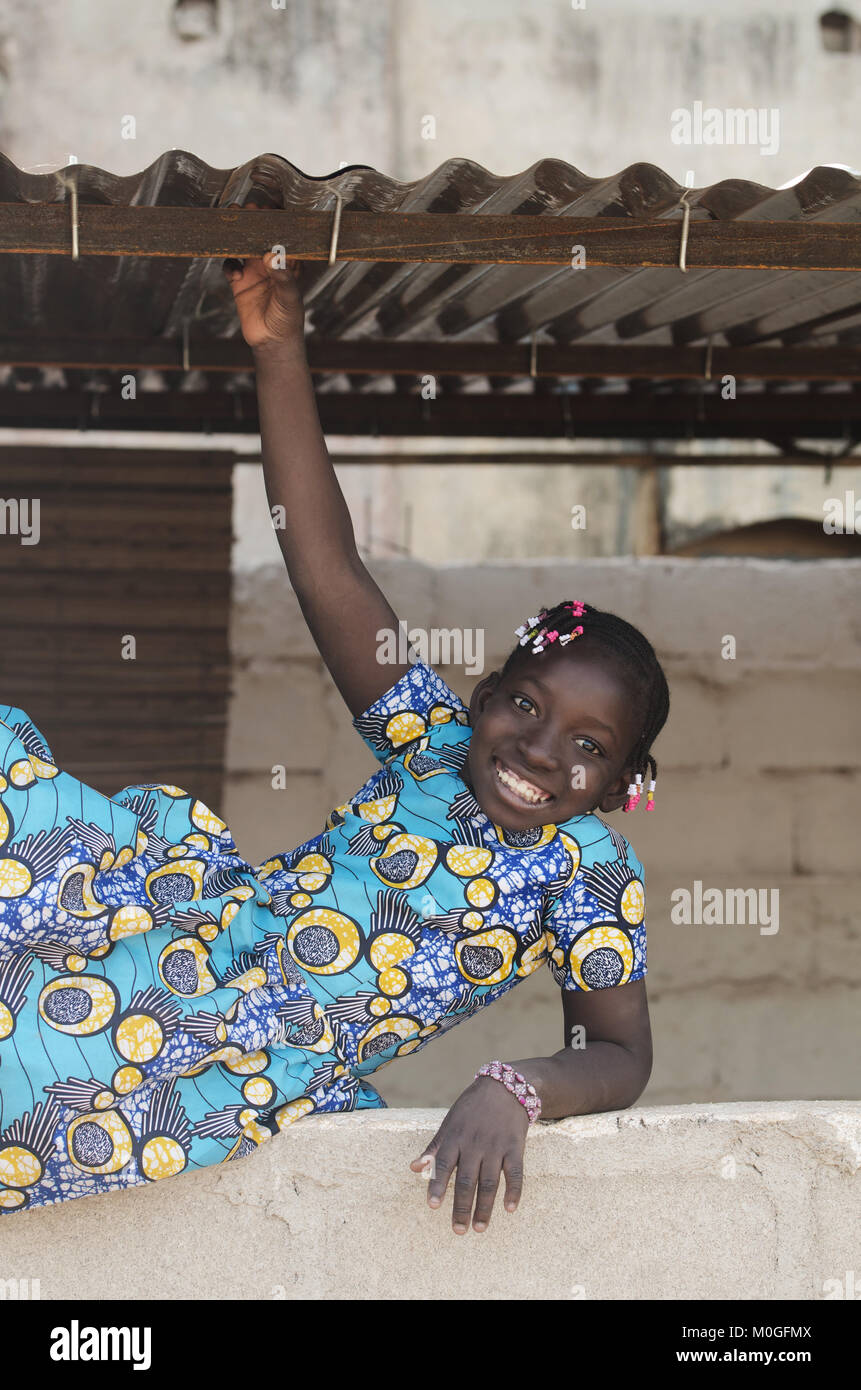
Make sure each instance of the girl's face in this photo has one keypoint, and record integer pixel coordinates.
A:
(552, 740)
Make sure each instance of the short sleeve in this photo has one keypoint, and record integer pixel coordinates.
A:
(414, 705)
(597, 926)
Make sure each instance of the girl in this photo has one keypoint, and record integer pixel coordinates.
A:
(164, 1005)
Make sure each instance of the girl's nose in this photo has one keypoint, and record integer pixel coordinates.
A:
(538, 754)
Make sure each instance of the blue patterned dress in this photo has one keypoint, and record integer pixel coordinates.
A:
(164, 1005)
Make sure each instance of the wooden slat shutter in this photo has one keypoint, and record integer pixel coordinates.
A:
(133, 543)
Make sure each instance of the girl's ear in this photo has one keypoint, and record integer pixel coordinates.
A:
(481, 694)
(616, 795)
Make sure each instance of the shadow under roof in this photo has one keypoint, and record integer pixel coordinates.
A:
(544, 303)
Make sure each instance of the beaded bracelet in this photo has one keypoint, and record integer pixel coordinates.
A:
(516, 1084)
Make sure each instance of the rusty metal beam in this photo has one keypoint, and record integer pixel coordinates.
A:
(371, 357)
(462, 238)
(830, 415)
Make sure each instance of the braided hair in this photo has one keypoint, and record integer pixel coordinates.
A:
(625, 644)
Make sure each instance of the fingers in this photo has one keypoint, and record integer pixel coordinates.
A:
(472, 1176)
(425, 1164)
(512, 1167)
(243, 274)
(438, 1165)
(464, 1192)
(488, 1186)
(277, 265)
(233, 268)
(443, 1166)
(271, 263)
(477, 1183)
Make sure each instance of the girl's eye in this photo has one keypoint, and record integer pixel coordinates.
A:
(593, 746)
(515, 698)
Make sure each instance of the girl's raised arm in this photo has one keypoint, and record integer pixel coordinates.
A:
(343, 606)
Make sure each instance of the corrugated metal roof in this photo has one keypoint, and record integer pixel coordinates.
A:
(143, 299)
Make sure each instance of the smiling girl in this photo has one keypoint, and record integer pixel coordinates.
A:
(164, 1005)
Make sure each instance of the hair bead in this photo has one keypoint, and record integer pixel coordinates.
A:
(541, 636)
(650, 795)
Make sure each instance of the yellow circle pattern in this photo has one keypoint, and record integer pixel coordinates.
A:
(19, 1166)
(324, 941)
(103, 1136)
(15, 878)
(162, 1157)
(615, 963)
(634, 902)
(139, 1038)
(79, 1005)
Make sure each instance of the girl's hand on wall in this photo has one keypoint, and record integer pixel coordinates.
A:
(482, 1137)
(268, 300)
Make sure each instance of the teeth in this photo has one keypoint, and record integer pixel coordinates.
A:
(524, 789)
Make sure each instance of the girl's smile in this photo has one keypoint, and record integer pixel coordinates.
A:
(519, 788)
(552, 714)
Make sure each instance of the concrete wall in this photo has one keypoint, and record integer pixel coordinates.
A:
(702, 1202)
(523, 508)
(329, 81)
(760, 775)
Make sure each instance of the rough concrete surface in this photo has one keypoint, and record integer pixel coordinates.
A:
(746, 1201)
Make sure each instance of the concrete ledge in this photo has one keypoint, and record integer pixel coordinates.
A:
(743, 1201)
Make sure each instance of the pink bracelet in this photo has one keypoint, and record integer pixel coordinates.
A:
(516, 1084)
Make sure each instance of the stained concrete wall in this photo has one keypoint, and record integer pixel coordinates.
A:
(328, 82)
(704, 1202)
(760, 776)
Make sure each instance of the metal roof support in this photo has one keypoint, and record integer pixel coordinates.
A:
(367, 356)
(455, 238)
(755, 414)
